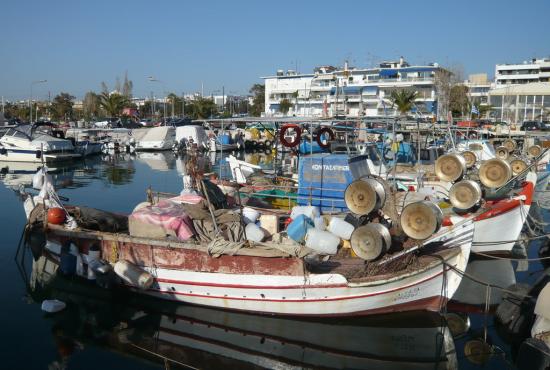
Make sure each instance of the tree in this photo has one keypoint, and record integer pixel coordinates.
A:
(459, 103)
(258, 102)
(403, 100)
(127, 86)
(62, 106)
(113, 103)
(176, 104)
(90, 105)
(284, 106)
(200, 108)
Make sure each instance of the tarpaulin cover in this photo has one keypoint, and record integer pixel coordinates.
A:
(169, 215)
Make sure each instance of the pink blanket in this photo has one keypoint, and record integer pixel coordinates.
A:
(168, 215)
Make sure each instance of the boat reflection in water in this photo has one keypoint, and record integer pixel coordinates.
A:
(184, 335)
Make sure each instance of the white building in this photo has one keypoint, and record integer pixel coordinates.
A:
(352, 92)
(536, 70)
(517, 103)
(478, 88)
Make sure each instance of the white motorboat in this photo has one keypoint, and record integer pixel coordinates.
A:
(35, 143)
(156, 138)
(190, 135)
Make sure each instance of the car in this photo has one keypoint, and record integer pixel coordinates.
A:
(532, 126)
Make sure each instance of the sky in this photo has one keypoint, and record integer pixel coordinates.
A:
(75, 45)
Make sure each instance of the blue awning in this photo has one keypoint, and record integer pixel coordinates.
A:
(388, 73)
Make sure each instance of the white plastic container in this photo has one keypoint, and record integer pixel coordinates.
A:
(93, 259)
(254, 233)
(323, 242)
(319, 223)
(53, 247)
(250, 215)
(309, 211)
(133, 275)
(340, 228)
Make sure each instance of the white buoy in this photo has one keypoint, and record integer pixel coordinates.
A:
(133, 275)
(53, 305)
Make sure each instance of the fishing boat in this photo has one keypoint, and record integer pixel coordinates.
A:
(193, 335)
(277, 277)
(274, 282)
(35, 143)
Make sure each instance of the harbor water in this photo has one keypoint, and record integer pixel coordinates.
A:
(114, 329)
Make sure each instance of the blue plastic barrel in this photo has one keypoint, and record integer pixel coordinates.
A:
(67, 263)
(297, 229)
(225, 139)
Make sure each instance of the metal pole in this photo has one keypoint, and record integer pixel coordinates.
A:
(30, 105)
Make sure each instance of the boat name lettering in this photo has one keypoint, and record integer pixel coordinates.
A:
(329, 167)
(408, 294)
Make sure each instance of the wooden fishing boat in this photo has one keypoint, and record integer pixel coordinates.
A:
(270, 281)
(193, 335)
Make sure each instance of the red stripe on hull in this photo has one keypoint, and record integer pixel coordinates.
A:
(244, 286)
(170, 292)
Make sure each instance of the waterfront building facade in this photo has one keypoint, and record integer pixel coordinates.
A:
(536, 70)
(518, 103)
(351, 92)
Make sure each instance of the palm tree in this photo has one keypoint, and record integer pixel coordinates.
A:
(403, 100)
(113, 103)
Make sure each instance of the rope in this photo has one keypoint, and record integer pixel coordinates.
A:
(511, 258)
(492, 286)
(163, 357)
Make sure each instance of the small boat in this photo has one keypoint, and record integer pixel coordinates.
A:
(155, 138)
(191, 136)
(192, 335)
(271, 281)
(35, 143)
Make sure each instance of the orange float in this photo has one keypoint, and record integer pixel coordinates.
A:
(56, 216)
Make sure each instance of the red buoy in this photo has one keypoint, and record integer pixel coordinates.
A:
(56, 216)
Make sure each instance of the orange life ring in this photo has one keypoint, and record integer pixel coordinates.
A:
(284, 140)
(322, 131)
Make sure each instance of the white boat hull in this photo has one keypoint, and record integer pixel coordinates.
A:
(31, 156)
(319, 294)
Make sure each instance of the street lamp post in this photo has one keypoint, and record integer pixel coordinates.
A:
(30, 99)
(152, 79)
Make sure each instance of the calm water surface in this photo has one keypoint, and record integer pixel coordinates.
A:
(110, 329)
